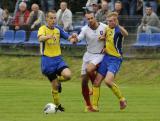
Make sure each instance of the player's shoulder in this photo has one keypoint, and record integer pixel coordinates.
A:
(85, 28)
(106, 27)
(57, 29)
(43, 27)
(102, 24)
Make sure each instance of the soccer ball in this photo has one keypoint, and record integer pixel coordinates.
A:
(49, 108)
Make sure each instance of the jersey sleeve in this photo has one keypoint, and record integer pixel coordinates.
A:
(41, 31)
(63, 34)
(81, 36)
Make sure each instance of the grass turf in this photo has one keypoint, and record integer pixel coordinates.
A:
(24, 92)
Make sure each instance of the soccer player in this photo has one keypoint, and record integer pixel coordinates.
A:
(112, 60)
(52, 63)
(92, 57)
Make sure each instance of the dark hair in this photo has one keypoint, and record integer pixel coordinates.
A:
(148, 5)
(50, 11)
(118, 2)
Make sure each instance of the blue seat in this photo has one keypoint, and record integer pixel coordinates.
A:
(8, 37)
(82, 43)
(33, 36)
(155, 39)
(33, 39)
(64, 42)
(20, 37)
(143, 40)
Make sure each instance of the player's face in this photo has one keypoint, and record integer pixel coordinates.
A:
(51, 19)
(91, 19)
(112, 21)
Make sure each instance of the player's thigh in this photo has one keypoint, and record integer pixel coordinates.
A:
(109, 78)
(91, 67)
(63, 70)
(103, 67)
(84, 67)
(114, 65)
(95, 59)
(48, 65)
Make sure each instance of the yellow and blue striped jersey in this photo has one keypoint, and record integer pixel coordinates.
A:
(51, 47)
(114, 41)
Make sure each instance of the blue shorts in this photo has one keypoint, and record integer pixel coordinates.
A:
(109, 63)
(52, 66)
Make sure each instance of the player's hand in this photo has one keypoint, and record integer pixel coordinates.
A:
(74, 35)
(49, 37)
(101, 38)
(73, 40)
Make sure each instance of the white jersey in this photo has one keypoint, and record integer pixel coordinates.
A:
(91, 36)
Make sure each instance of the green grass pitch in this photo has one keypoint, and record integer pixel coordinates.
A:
(24, 92)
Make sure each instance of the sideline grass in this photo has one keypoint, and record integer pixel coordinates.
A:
(24, 92)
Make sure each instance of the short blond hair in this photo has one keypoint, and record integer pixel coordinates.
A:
(115, 14)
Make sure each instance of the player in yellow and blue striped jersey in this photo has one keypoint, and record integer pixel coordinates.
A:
(112, 60)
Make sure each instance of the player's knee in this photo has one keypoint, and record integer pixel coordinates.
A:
(89, 69)
(67, 76)
(96, 83)
(108, 83)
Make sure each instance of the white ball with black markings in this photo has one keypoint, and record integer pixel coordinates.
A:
(49, 108)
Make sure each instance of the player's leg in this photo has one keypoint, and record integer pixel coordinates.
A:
(109, 80)
(85, 87)
(91, 71)
(66, 74)
(63, 73)
(85, 93)
(55, 95)
(113, 67)
(95, 59)
(85, 90)
(101, 72)
(96, 90)
(48, 67)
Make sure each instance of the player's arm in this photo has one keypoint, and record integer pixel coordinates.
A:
(74, 38)
(65, 35)
(82, 34)
(123, 31)
(42, 36)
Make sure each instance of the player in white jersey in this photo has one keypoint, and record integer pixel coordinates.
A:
(92, 57)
